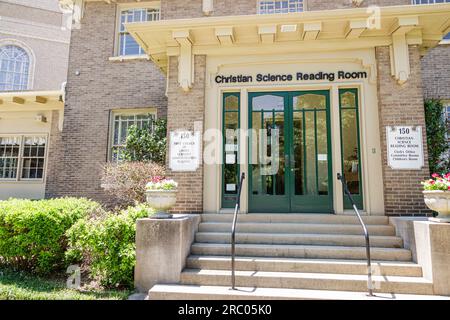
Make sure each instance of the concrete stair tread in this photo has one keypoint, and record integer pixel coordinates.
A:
(292, 217)
(302, 251)
(295, 246)
(304, 260)
(301, 275)
(165, 291)
(297, 228)
(284, 235)
(295, 238)
(246, 223)
(248, 263)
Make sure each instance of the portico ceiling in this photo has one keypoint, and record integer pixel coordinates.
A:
(329, 30)
(34, 101)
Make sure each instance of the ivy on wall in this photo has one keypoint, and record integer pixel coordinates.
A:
(438, 147)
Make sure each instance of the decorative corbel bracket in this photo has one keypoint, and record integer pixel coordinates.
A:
(399, 50)
(185, 59)
(207, 7)
(74, 6)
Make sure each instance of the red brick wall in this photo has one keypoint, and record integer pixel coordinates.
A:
(183, 110)
(75, 160)
(436, 72)
(401, 105)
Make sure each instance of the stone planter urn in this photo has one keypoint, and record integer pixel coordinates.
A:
(161, 194)
(161, 201)
(439, 201)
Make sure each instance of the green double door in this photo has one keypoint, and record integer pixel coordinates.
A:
(290, 163)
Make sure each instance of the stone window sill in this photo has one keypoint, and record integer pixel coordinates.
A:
(129, 58)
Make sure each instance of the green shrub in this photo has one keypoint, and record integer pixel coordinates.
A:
(438, 157)
(32, 233)
(147, 143)
(107, 245)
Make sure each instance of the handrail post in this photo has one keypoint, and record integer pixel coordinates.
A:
(366, 233)
(233, 232)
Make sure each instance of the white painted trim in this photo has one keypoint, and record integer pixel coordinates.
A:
(124, 111)
(18, 178)
(129, 5)
(128, 58)
(371, 162)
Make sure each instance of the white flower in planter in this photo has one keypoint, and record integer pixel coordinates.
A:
(161, 194)
(437, 195)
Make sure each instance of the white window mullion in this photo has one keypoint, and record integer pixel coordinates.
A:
(19, 159)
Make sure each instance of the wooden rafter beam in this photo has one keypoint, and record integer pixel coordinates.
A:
(403, 25)
(355, 28)
(40, 99)
(225, 35)
(311, 30)
(18, 100)
(267, 33)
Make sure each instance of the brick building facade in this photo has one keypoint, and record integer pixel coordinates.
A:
(105, 87)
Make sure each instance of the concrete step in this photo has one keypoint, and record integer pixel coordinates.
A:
(404, 269)
(302, 251)
(295, 218)
(304, 228)
(189, 292)
(308, 239)
(316, 281)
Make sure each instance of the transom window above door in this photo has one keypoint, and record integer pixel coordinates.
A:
(127, 45)
(280, 6)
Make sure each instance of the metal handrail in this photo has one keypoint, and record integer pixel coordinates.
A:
(233, 231)
(366, 233)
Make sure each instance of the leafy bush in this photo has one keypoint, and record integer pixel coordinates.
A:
(126, 181)
(32, 233)
(147, 144)
(107, 245)
(437, 143)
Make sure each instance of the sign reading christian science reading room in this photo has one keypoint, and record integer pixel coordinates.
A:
(184, 152)
(404, 147)
(288, 77)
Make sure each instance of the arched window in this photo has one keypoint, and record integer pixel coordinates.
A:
(14, 68)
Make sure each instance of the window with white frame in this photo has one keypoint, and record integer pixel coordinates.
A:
(280, 6)
(14, 68)
(428, 1)
(122, 121)
(127, 45)
(22, 157)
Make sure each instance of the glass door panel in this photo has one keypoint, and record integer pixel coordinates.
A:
(350, 145)
(267, 154)
(230, 167)
(289, 152)
(310, 167)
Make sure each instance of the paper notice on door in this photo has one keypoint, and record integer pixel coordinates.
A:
(230, 187)
(230, 158)
(322, 157)
(231, 147)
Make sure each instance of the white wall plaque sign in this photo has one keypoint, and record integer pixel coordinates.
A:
(404, 147)
(184, 152)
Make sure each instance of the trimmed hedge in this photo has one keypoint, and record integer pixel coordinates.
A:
(107, 244)
(32, 233)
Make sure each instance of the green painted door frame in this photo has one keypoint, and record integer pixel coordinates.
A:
(287, 191)
(353, 107)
